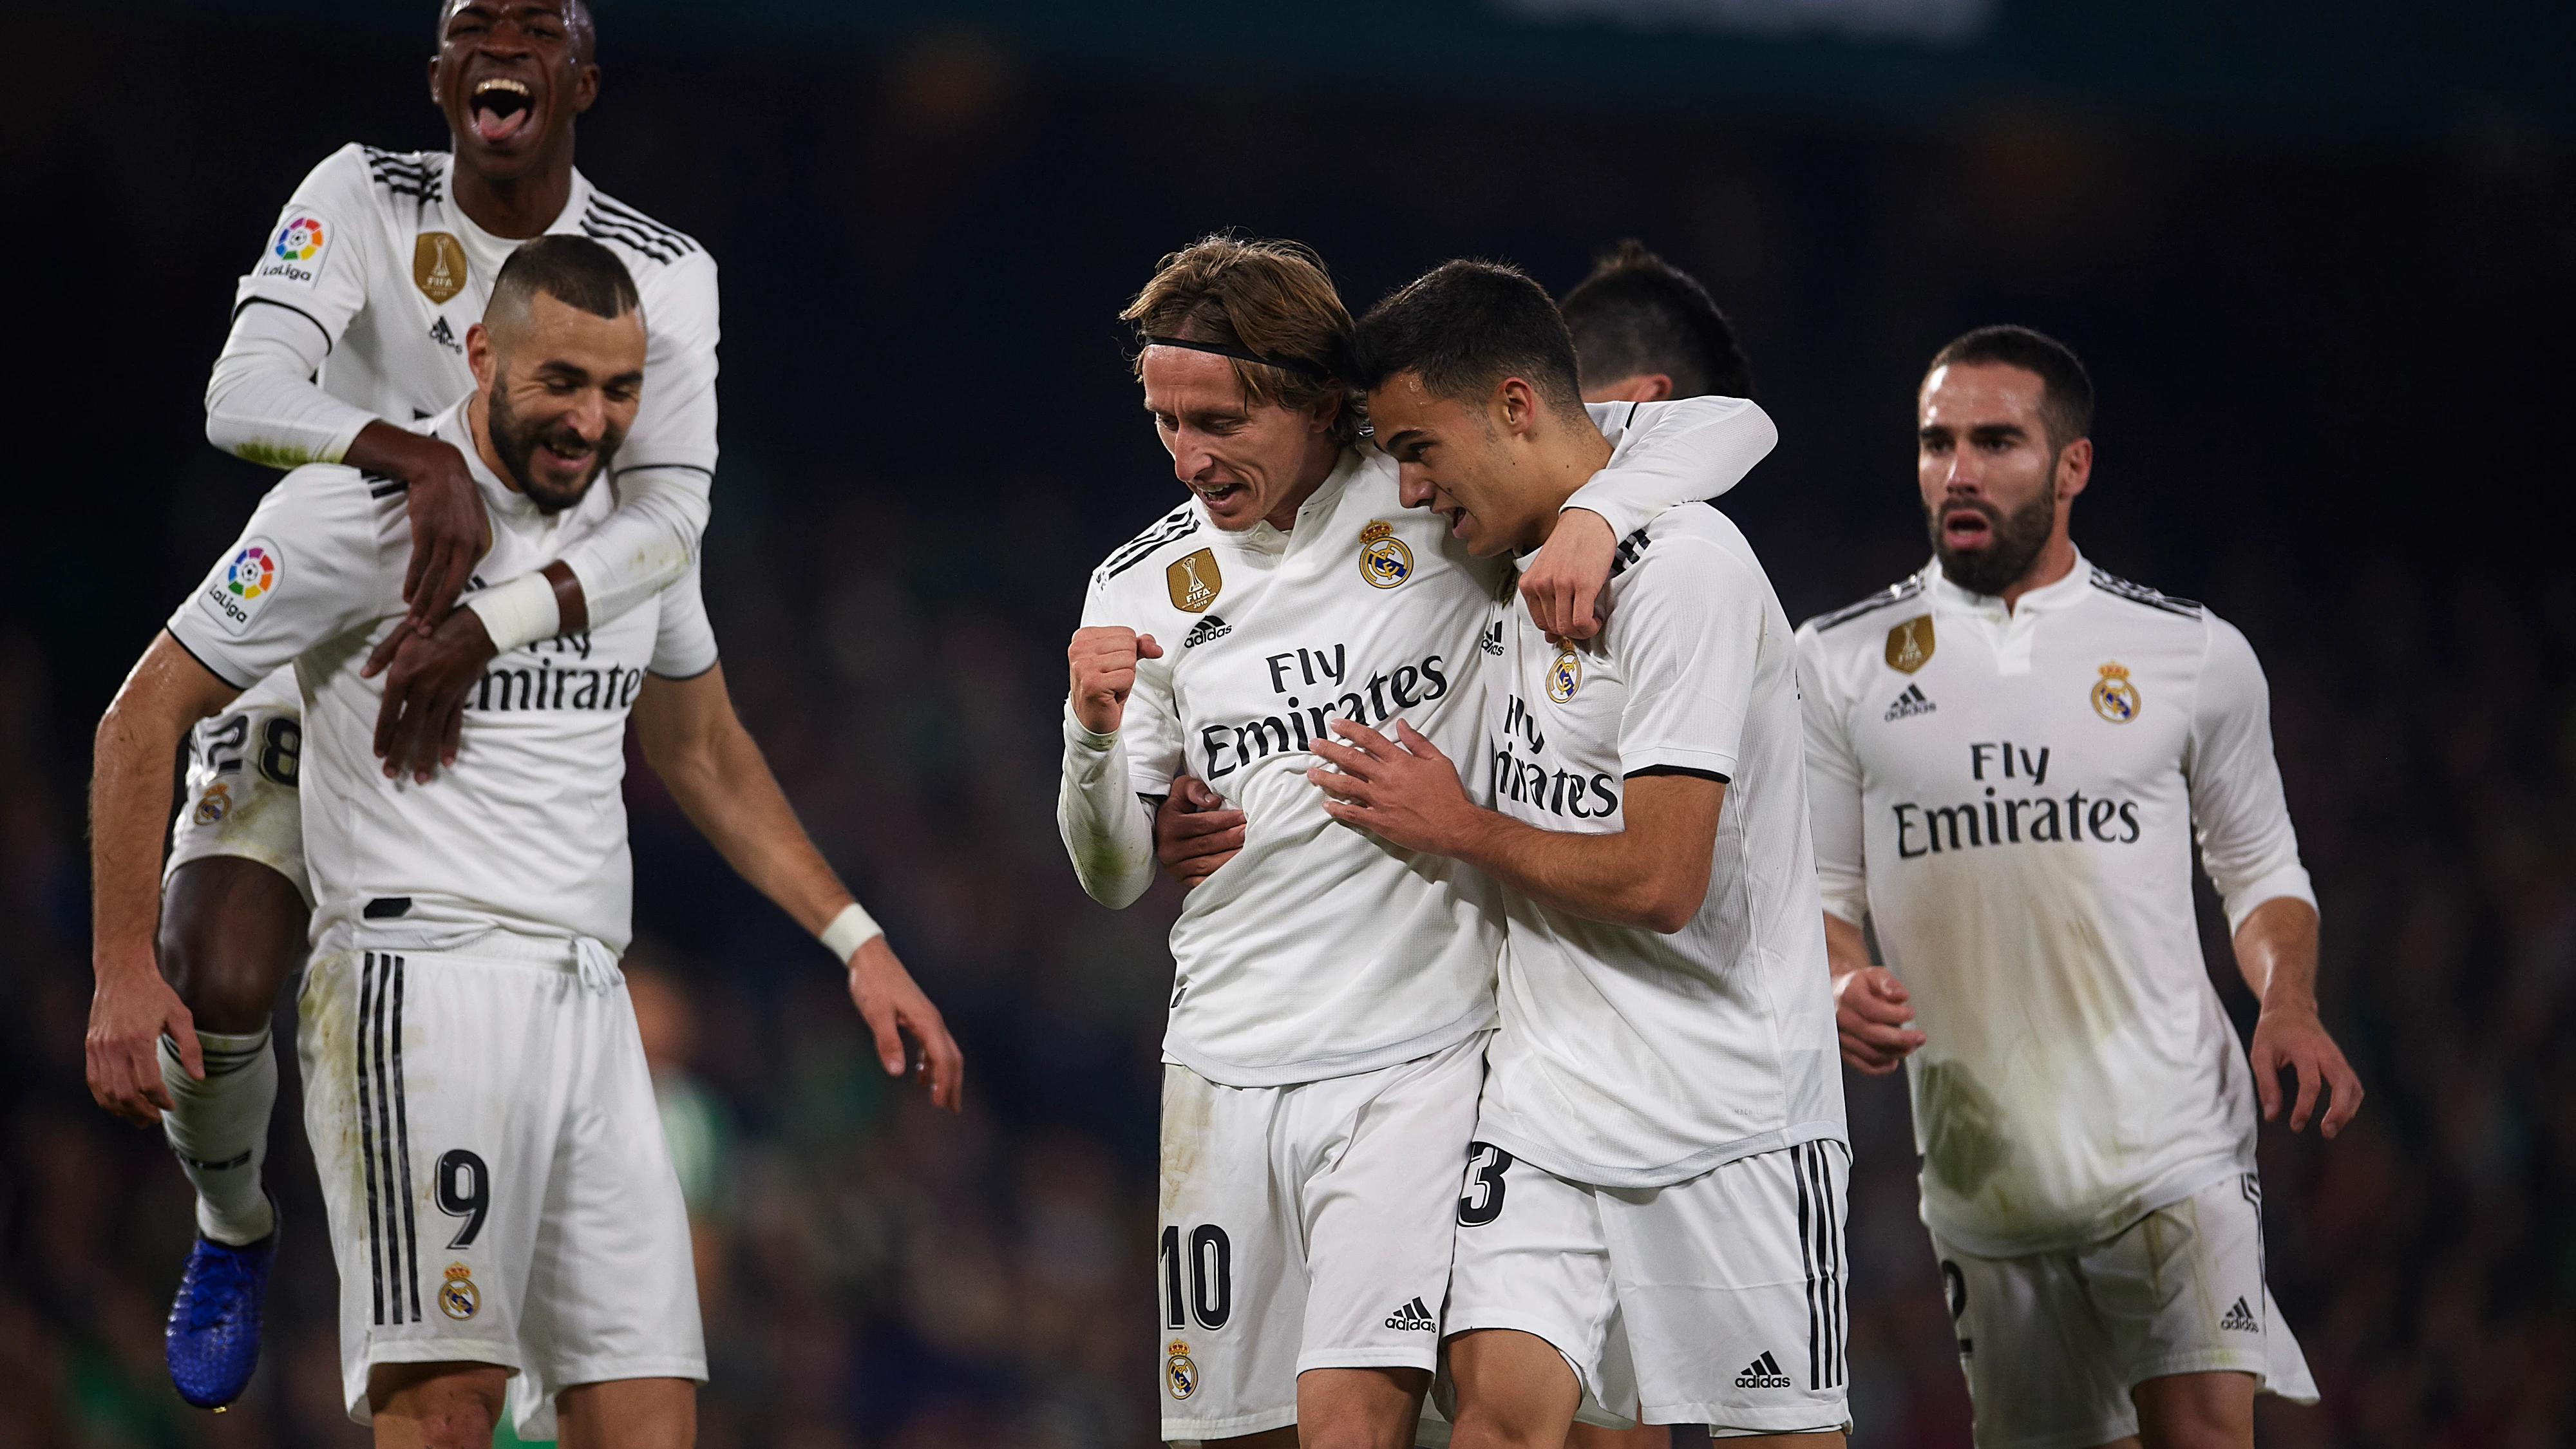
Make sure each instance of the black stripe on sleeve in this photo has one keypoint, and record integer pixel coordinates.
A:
(1676, 770)
(201, 660)
(250, 302)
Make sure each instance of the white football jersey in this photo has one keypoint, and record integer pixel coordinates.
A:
(372, 276)
(1321, 951)
(527, 831)
(2012, 798)
(1627, 1057)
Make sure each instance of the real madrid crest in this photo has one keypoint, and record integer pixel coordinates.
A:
(1384, 560)
(1180, 1375)
(215, 804)
(1564, 675)
(2114, 697)
(437, 265)
(458, 1298)
(1909, 645)
(1194, 582)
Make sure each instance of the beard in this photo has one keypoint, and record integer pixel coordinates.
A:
(515, 442)
(2013, 542)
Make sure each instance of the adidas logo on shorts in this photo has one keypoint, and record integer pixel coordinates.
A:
(1909, 704)
(2240, 1319)
(1205, 629)
(1412, 1315)
(1762, 1373)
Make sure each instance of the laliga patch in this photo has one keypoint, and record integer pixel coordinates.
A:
(1194, 582)
(1909, 645)
(297, 249)
(1384, 560)
(238, 590)
(2114, 697)
(437, 266)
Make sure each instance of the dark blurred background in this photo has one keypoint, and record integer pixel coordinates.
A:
(2320, 257)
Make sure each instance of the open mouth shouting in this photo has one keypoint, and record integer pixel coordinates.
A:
(502, 110)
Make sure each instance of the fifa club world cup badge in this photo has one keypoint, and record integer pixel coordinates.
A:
(458, 1298)
(1194, 582)
(437, 266)
(1909, 645)
(1565, 675)
(2114, 697)
(1384, 560)
(1180, 1375)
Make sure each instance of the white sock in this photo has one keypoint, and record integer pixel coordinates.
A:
(219, 1129)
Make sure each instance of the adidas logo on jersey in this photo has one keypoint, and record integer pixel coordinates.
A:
(1412, 1315)
(444, 335)
(1492, 642)
(1205, 629)
(1909, 704)
(2240, 1319)
(1762, 1373)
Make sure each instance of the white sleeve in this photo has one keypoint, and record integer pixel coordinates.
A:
(2238, 811)
(289, 311)
(684, 646)
(1833, 786)
(309, 566)
(665, 469)
(1684, 452)
(1107, 827)
(1689, 634)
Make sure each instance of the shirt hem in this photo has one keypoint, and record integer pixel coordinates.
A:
(1593, 1174)
(1324, 1068)
(2183, 1182)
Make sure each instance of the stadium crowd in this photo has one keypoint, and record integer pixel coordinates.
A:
(875, 1277)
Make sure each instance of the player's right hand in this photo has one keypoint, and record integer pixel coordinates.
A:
(892, 1005)
(129, 1013)
(1103, 662)
(1872, 1015)
(1195, 831)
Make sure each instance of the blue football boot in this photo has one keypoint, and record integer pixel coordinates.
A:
(213, 1338)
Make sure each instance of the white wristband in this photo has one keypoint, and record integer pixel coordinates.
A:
(849, 930)
(519, 612)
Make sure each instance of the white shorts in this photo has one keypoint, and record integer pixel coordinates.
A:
(242, 798)
(493, 1164)
(1304, 1227)
(2053, 1343)
(1717, 1301)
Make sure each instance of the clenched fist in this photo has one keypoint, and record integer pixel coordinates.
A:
(1103, 662)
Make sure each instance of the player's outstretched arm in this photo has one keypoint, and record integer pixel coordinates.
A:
(2276, 949)
(1873, 1013)
(696, 743)
(132, 1007)
(1653, 875)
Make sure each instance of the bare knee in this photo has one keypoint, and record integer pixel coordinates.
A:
(232, 931)
(2196, 1411)
(435, 1405)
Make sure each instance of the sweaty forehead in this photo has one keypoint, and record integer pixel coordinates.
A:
(1967, 395)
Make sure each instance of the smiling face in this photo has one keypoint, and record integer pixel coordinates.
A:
(557, 390)
(1244, 461)
(1995, 489)
(1456, 458)
(510, 75)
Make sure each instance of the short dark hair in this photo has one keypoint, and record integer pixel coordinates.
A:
(1464, 326)
(574, 270)
(2066, 390)
(1638, 313)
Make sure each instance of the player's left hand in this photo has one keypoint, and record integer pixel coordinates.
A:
(422, 718)
(2293, 1039)
(892, 1005)
(1404, 790)
(1563, 586)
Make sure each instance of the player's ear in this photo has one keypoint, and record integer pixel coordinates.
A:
(2074, 467)
(1514, 404)
(479, 356)
(1319, 418)
(585, 88)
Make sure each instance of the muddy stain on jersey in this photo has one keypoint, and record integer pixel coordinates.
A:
(1188, 1101)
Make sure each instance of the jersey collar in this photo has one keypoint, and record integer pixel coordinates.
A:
(2051, 599)
(1262, 537)
(576, 205)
